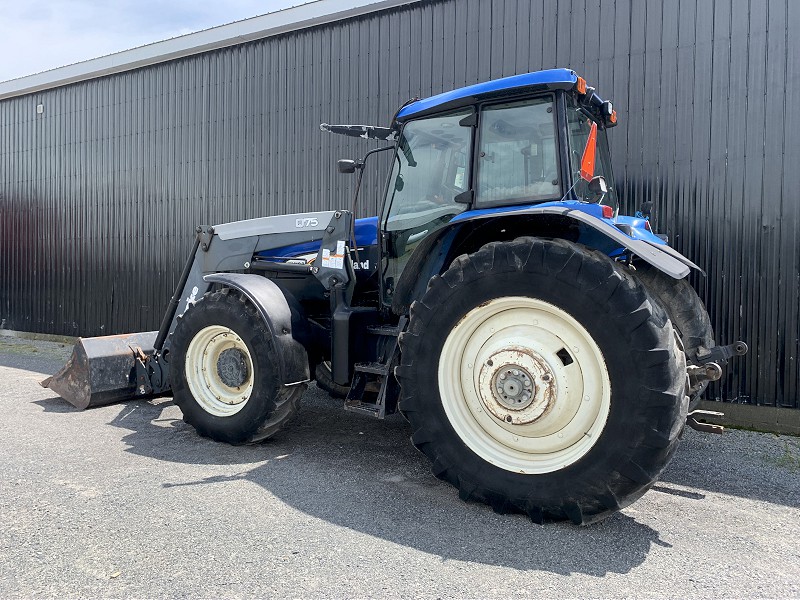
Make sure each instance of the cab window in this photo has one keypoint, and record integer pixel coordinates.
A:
(517, 160)
(431, 168)
(579, 125)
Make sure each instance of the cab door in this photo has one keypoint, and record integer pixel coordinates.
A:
(431, 170)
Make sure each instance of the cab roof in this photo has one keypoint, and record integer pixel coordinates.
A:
(550, 79)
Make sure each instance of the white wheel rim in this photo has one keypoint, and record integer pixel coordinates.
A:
(211, 392)
(546, 416)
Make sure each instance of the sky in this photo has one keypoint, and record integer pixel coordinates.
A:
(38, 35)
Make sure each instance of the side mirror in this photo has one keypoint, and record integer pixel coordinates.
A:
(345, 165)
(598, 186)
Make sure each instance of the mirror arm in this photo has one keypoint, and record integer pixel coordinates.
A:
(359, 165)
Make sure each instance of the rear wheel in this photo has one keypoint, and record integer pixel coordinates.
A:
(538, 376)
(224, 371)
(686, 311)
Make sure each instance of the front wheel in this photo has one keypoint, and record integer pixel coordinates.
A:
(224, 371)
(538, 376)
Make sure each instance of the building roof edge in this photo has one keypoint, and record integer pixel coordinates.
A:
(318, 12)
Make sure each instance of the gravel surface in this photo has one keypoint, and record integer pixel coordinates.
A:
(127, 501)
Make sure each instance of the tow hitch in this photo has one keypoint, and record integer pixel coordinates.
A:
(708, 367)
(692, 421)
(698, 375)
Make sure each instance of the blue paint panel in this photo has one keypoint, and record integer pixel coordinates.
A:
(595, 210)
(367, 231)
(639, 230)
(366, 235)
(553, 77)
(290, 251)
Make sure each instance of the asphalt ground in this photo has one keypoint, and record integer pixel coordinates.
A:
(127, 501)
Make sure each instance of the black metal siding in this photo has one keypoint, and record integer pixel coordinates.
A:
(101, 192)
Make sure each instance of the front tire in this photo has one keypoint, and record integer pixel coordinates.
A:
(224, 371)
(538, 376)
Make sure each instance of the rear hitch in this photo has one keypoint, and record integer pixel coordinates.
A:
(698, 375)
(721, 354)
(692, 421)
(707, 366)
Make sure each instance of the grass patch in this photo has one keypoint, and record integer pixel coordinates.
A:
(790, 459)
(26, 347)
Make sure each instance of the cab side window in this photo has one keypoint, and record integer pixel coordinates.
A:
(517, 159)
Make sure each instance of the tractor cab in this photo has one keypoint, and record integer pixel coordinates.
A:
(521, 142)
(513, 142)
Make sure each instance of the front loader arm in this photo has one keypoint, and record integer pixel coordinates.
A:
(232, 247)
(110, 369)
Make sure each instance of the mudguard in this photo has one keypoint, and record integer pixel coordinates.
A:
(430, 257)
(284, 323)
(663, 258)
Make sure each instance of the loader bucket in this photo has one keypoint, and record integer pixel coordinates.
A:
(101, 370)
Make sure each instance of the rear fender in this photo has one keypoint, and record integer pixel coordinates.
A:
(288, 326)
(436, 252)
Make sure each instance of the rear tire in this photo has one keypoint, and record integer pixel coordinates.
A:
(606, 379)
(224, 371)
(687, 313)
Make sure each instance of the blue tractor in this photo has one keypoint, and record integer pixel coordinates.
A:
(544, 348)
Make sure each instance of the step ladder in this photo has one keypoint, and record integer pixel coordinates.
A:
(374, 388)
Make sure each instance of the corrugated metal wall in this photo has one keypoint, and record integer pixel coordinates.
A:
(100, 192)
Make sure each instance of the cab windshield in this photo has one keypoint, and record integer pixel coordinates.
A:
(579, 125)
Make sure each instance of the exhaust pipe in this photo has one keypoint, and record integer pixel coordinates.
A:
(102, 370)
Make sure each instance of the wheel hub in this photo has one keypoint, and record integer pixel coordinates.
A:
(512, 387)
(517, 385)
(219, 370)
(232, 367)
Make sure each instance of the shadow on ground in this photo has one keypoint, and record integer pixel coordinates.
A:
(365, 475)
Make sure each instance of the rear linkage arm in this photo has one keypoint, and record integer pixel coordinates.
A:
(707, 366)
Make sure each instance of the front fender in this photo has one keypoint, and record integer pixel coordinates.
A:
(284, 322)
